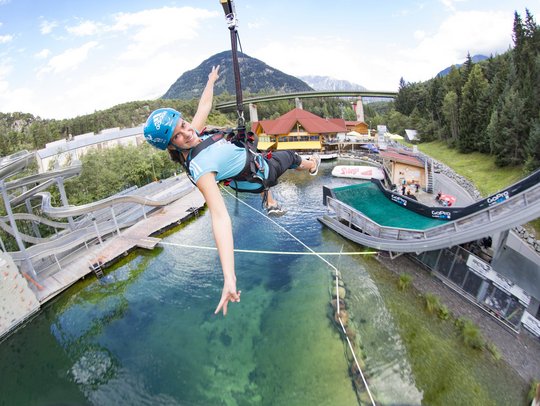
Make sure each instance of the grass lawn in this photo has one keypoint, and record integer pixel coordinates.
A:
(479, 168)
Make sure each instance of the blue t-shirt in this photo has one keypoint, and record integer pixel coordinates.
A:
(225, 159)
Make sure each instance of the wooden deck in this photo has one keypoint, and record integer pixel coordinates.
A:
(138, 235)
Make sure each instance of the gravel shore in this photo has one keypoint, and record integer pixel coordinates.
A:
(520, 351)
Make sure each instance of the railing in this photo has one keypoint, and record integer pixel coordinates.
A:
(518, 209)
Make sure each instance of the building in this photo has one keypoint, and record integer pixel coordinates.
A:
(358, 126)
(60, 153)
(298, 130)
(403, 166)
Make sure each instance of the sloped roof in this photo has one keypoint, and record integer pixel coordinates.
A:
(266, 126)
(405, 158)
(309, 121)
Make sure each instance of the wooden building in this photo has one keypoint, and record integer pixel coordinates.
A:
(298, 130)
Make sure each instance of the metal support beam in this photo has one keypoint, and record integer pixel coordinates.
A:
(13, 223)
(63, 197)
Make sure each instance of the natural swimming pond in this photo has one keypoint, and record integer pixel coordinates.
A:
(146, 334)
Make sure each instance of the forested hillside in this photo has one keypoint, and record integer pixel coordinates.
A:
(491, 107)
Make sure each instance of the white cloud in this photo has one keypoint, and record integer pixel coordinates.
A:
(85, 28)
(475, 32)
(450, 4)
(158, 30)
(69, 59)
(326, 56)
(255, 24)
(419, 34)
(46, 27)
(43, 54)
(4, 39)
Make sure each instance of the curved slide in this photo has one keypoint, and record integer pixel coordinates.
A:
(104, 216)
(169, 191)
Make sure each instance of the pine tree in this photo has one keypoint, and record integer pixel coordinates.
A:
(451, 115)
(474, 113)
(533, 147)
(511, 135)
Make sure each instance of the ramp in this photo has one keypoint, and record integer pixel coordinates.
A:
(484, 219)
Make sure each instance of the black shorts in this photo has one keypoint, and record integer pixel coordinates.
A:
(279, 163)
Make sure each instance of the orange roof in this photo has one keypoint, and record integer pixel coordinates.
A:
(309, 121)
(266, 126)
(340, 122)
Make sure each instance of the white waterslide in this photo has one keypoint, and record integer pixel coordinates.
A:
(104, 216)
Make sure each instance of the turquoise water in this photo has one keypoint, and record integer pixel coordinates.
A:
(146, 334)
(368, 199)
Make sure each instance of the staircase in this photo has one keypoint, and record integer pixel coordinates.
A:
(428, 166)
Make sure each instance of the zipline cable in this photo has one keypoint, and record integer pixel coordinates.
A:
(202, 247)
(336, 272)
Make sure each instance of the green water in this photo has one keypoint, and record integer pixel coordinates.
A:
(146, 333)
(367, 198)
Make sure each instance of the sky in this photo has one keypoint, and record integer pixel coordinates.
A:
(64, 58)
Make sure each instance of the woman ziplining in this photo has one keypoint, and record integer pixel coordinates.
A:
(210, 158)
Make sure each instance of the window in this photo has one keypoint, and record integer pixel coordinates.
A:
(497, 300)
(472, 284)
(514, 312)
(459, 271)
(430, 258)
(445, 262)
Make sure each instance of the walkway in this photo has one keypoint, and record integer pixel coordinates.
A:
(119, 245)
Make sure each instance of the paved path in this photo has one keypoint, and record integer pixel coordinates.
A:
(447, 186)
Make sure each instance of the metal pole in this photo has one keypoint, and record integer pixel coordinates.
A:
(13, 223)
(114, 219)
(63, 197)
(35, 227)
(97, 231)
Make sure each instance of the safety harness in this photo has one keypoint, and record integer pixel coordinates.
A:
(253, 167)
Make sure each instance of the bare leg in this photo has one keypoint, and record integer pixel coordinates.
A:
(270, 201)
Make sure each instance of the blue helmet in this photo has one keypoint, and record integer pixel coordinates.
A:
(160, 126)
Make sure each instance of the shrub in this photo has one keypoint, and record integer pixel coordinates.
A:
(492, 348)
(404, 281)
(534, 389)
(432, 302)
(443, 312)
(471, 335)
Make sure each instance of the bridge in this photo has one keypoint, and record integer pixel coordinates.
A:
(229, 105)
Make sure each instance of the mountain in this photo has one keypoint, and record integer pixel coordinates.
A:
(475, 59)
(327, 83)
(256, 77)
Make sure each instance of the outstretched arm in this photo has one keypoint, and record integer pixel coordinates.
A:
(205, 103)
(222, 229)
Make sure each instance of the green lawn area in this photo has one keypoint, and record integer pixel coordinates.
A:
(479, 168)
